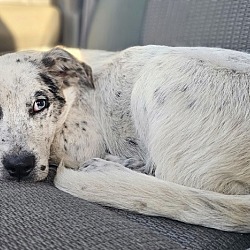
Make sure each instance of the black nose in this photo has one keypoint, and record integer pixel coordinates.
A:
(19, 165)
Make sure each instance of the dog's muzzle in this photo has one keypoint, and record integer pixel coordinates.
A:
(19, 165)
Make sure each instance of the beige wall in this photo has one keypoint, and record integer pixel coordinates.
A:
(24, 25)
(25, 2)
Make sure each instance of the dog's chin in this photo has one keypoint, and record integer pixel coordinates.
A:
(34, 176)
(6, 177)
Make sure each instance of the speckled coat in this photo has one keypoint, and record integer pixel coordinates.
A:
(158, 130)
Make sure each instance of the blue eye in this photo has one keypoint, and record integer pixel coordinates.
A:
(39, 105)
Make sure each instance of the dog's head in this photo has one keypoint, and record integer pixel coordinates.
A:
(37, 90)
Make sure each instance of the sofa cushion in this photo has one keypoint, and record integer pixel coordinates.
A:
(39, 216)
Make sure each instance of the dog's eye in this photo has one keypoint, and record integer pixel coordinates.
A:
(39, 105)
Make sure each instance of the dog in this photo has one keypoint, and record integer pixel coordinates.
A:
(158, 130)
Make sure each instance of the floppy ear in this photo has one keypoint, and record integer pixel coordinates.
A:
(65, 69)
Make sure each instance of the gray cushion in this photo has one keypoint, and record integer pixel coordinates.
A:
(39, 216)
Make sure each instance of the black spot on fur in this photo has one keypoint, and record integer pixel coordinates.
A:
(156, 92)
(80, 70)
(131, 141)
(142, 205)
(159, 96)
(77, 124)
(3, 140)
(64, 59)
(43, 167)
(33, 61)
(65, 70)
(31, 112)
(48, 62)
(107, 151)
(66, 83)
(65, 148)
(118, 93)
(1, 113)
(84, 129)
(65, 140)
(209, 204)
(184, 89)
(17, 60)
(191, 105)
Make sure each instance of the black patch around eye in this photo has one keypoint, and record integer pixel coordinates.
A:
(50, 83)
(1, 113)
(53, 88)
(40, 93)
(132, 141)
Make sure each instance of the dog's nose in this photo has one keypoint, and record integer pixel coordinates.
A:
(19, 165)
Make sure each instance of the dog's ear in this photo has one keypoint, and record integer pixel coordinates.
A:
(66, 69)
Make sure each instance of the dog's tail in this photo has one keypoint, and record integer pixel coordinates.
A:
(126, 189)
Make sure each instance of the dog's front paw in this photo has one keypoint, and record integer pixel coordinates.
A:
(95, 164)
(135, 164)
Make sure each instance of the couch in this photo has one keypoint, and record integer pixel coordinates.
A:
(39, 216)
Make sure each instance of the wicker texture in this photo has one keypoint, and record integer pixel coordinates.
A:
(39, 216)
(210, 23)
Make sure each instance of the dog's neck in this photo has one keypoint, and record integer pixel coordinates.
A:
(73, 143)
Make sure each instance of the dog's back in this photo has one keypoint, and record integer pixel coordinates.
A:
(196, 104)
